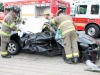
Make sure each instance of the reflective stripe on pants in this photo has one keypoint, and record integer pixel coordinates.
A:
(72, 55)
(69, 56)
(76, 54)
(4, 53)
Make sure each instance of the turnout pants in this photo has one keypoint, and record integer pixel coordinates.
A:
(4, 41)
(70, 44)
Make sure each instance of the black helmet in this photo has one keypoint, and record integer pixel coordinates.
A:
(16, 9)
(59, 11)
(9, 7)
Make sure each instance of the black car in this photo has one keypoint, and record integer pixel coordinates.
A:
(44, 43)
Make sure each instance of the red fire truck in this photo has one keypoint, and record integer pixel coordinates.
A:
(86, 16)
(1, 16)
(36, 8)
(1, 13)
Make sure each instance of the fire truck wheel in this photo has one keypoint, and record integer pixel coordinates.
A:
(92, 30)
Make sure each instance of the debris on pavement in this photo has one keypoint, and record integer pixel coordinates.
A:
(93, 67)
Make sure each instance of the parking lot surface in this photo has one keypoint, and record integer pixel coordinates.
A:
(35, 64)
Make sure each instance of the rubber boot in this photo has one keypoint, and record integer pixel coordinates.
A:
(6, 56)
(75, 59)
(69, 61)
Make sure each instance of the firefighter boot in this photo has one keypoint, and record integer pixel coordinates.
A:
(6, 56)
(69, 61)
(75, 59)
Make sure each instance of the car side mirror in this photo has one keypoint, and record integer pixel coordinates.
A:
(72, 13)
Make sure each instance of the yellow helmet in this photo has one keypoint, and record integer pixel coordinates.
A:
(46, 12)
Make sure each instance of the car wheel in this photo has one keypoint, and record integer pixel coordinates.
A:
(13, 47)
(92, 30)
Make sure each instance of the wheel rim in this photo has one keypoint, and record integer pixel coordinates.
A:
(91, 31)
(12, 48)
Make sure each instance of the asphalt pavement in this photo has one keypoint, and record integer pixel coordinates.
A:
(34, 64)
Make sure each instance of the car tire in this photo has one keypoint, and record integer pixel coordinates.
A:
(13, 47)
(92, 30)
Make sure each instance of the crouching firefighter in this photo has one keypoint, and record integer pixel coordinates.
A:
(69, 36)
(47, 15)
(9, 25)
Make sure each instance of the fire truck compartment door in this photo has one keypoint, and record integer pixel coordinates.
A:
(28, 11)
(41, 8)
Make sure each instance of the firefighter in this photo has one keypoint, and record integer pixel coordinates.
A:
(47, 15)
(69, 36)
(9, 25)
(45, 26)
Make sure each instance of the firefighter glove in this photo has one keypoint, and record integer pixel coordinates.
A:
(51, 29)
(19, 30)
(23, 22)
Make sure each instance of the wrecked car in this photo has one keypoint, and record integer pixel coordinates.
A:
(44, 43)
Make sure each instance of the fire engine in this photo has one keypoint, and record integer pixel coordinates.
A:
(36, 8)
(1, 16)
(1, 13)
(86, 17)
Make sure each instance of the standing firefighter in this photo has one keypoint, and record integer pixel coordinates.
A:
(8, 26)
(69, 36)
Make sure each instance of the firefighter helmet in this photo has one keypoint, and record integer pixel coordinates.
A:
(15, 8)
(8, 8)
(46, 13)
(59, 11)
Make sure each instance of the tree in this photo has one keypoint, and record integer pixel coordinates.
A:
(1, 7)
(1, 4)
